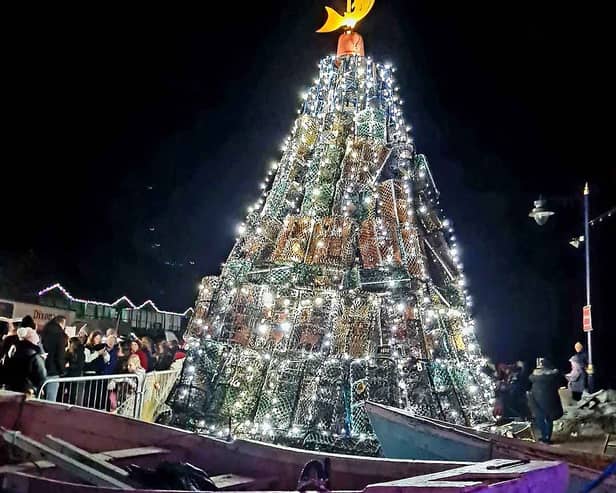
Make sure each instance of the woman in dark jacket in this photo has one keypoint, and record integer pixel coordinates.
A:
(24, 364)
(72, 392)
(96, 356)
(544, 400)
(163, 358)
(75, 358)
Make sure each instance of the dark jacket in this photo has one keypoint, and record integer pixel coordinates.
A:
(150, 359)
(109, 368)
(53, 340)
(544, 399)
(76, 361)
(97, 364)
(6, 343)
(576, 378)
(162, 361)
(25, 368)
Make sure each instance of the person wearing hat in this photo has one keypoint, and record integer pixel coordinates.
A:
(543, 398)
(24, 364)
(582, 355)
(576, 378)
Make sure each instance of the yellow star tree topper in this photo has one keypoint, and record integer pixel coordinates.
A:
(356, 10)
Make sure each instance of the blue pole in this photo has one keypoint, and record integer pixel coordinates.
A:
(591, 369)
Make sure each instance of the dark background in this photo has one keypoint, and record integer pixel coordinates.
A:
(124, 120)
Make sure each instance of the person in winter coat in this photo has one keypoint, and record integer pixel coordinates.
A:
(24, 363)
(54, 339)
(126, 388)
(95, 352)
(581, 353)
(576, 378)
(147, 346)
(75, 362)
(543, 399)
(75, 358)
(28, 321)
(163, 358)
(96, 357)
(8, 339)
(112, 348)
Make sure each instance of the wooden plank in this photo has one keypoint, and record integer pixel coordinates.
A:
(81, 471)
(85, 457)
(235, 482)
(129, 453)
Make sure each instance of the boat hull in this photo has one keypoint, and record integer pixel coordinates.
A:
(405, 436)
(241, 465)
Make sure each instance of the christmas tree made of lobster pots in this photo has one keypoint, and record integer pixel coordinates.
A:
(344, 284)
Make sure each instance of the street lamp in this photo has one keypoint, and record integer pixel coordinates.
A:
(541, 215)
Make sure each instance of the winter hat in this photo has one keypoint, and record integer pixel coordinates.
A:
(28, 334)
(28, 321)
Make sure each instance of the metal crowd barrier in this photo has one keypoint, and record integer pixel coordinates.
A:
(136, 396)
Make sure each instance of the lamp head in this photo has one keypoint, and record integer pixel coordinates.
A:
(539, 213)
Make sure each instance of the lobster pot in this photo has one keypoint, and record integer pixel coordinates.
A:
(278, 398)
(332, 242)
(293, 240)
(305, 416)
(272, 277)
(235, 270)
(326, 166)
(197, 378)
(350, 95)
(420, 397)
(352, 333)
(446, 393)
(370, 123)
(241, 383)
(305, 135)
(337, 126)
(329, 408)
(361, 166)
(368, 245)
(359, 384)
(260, 241)
(413, 252)
(383, 381)
(285, 191)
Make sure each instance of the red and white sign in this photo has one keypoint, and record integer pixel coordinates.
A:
(586, 319)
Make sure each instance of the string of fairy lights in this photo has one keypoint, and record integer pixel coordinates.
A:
(331, 278)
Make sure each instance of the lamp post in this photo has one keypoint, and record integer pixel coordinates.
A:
(588, 327)
(541, 215)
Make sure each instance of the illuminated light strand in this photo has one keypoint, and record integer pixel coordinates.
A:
(59, 287)
(317, 105)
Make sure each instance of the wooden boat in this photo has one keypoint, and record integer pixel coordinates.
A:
(404, 435)
(71, 446)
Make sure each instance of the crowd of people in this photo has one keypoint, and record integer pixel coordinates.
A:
(535, 396)
(31, 360)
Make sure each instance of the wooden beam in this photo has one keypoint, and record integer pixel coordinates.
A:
(81, 471)
(129, 453)
(84, 457)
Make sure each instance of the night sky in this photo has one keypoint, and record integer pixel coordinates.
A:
(122, 121)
